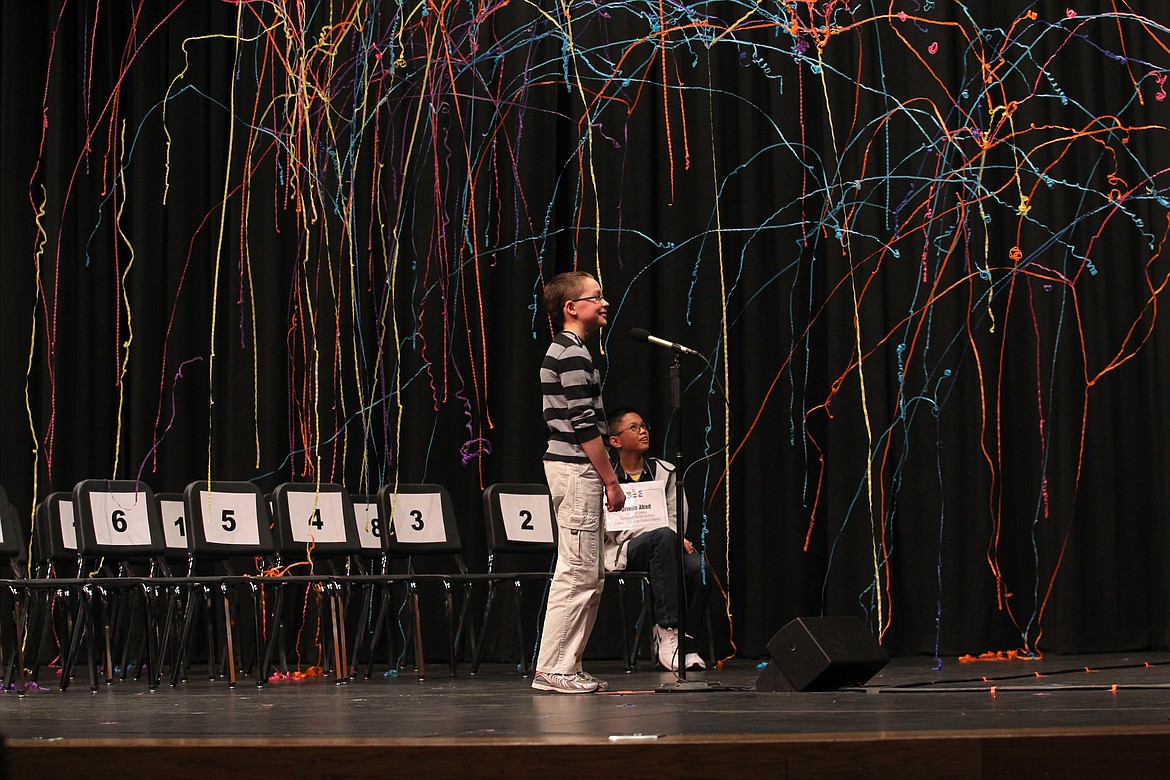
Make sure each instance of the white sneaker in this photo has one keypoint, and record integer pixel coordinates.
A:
(563, 683)
(665, 647)
(695, 661)
(602, 685)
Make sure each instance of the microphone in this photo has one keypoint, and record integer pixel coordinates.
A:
(641, 334)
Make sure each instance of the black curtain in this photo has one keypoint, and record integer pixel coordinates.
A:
(920, 244)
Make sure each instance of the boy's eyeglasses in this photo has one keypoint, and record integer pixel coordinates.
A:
(635, 427)
(594, 298)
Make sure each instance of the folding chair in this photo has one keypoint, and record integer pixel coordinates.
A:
(373, 563)
(13, 565)
(222, 520)
(423, 525)
(315, 527)
(177, 558)
(117, 523)
(54, 573)
(519, 521)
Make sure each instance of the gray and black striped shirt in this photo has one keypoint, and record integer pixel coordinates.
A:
(571, 387)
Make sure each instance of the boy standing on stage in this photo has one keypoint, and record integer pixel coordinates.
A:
(579, 477)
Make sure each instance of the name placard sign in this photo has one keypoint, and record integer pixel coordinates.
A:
(645, 507)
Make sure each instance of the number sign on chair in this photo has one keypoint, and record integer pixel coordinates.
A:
(226, 518)
(117, 517)
(527, 517)
(369, 523)
(54, 534)
(316, 517)
(9, 534)
(418, 518)
(170, 506)
(67, 522)
(319, 514)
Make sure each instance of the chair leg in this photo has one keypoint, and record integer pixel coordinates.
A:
(16, 658)
(359, 636)
(487, 611)
(640, 626)
(383, 615)
(450, 609)
(184, 649)
(74, 642)
(621, 582)
(519, 601)
(257, 592)
(152, 640)
(463, 609)
(419, 660)
(48, 626)
(273, 633)
(340, 662)
(228, 637)
(107, 636)
(127, 616)
(156, 670)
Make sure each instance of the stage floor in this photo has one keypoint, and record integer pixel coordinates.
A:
(1062, 716)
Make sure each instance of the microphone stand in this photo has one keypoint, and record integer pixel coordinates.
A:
(682, 685)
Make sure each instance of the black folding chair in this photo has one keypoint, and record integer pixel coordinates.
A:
(520, 529)
(316, 534)
(222, 521)
(118, 525)
(422, 527)
(14, 582)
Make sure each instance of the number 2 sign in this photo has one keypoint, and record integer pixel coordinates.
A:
(527, 517)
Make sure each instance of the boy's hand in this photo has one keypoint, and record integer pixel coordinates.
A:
(615, 497)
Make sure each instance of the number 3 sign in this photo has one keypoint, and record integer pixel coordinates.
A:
(418, 518)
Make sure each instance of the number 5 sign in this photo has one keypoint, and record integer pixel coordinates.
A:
(229, 517)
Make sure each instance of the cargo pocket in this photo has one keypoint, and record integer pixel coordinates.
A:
(579, 539)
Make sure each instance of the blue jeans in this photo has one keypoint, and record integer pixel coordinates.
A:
(656, 552)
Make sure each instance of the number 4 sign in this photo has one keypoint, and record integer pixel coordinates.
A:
(316, 517)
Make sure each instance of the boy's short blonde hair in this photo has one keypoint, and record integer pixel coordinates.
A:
(562, 289)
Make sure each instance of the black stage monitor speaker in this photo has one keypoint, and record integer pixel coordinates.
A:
(821, 654)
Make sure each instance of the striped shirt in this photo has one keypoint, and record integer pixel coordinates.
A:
(571, 389)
